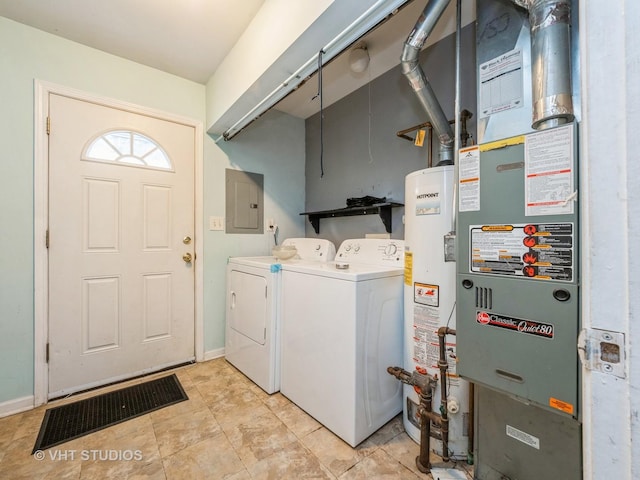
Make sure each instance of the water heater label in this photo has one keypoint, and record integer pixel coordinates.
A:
(426, 294)
(514, 324)
(408, 268)
(428, 203)
(538, 251)
(426, 351)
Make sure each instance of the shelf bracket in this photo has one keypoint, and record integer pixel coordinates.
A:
(385, 216)
(315, 222)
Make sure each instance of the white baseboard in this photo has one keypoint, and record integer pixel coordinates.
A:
(17, 405)
(211, 354)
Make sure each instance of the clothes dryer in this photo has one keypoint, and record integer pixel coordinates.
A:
(252, 342)
(342, 326)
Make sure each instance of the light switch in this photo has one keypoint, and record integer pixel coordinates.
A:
(216, 223)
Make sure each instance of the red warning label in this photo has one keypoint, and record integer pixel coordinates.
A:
(537, 251)
(426, 294)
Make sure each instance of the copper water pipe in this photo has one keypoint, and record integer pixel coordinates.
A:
(444, 365)
(423, 459)
(425, 385)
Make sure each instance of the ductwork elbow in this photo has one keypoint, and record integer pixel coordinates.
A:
(411, 69)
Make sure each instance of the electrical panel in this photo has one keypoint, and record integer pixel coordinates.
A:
(518, 280)
(244, 204)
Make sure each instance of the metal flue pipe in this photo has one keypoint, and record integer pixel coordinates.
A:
(550, 22)
(417, 79)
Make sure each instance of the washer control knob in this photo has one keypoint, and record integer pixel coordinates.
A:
(391, 249)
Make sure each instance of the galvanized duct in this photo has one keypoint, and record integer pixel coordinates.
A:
(418, 80)
(550, 61)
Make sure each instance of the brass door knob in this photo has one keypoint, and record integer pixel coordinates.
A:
(187, 257)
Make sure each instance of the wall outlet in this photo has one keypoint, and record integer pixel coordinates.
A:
(216, 223)
(271, 225)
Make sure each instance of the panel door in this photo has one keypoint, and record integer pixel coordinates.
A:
(121, 207)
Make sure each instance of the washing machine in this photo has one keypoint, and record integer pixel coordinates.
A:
(342, 326)
(252, 342)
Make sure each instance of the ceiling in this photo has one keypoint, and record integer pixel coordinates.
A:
(190, 38)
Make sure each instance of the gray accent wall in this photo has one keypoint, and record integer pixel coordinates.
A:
(362, 153)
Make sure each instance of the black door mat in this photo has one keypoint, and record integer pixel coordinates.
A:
(66, 422)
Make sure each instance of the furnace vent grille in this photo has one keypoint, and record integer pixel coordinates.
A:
(484, 297)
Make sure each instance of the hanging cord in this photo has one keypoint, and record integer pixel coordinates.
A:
(321, 113)
(370, 155)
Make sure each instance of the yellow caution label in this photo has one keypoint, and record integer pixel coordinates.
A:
(485, 147)
(408, 268)
(560, 405)
(468, 149)
(497, 228)
(419, 141)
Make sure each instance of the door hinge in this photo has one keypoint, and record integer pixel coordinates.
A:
(46, 239)
(47, 354)
(602, 351)
(48, 125)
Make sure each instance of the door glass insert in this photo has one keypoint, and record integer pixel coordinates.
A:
(126, 147)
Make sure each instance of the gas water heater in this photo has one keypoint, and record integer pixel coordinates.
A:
(429, 302)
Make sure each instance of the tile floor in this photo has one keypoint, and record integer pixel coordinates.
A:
(228, 429)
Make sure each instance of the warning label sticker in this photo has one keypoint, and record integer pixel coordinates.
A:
(469, 179)
(560, 405)
(426, 294)
(536, 251)
(426, 353)
(519, 325)
(408, 268)
(549, 188)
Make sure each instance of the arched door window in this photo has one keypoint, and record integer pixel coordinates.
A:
(126, 147)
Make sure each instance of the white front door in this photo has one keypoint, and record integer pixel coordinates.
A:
(121, 218)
